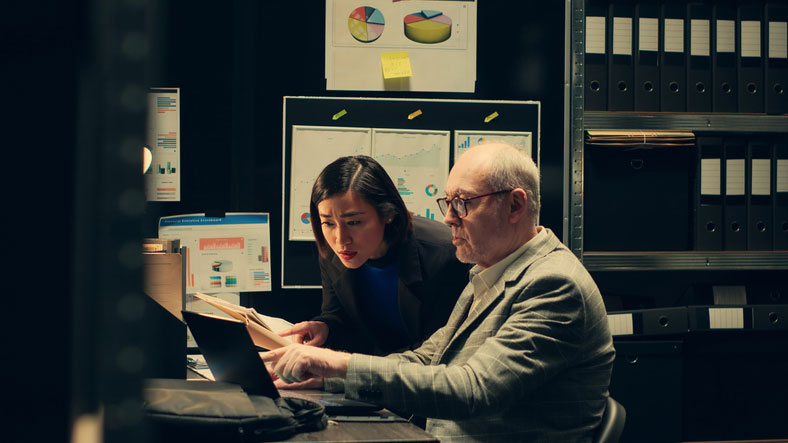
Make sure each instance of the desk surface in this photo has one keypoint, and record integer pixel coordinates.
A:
(344, 431)
(359, 431)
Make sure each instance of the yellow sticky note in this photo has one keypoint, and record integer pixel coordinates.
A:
(395, 64)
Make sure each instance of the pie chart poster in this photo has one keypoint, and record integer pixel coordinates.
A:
(438, 36)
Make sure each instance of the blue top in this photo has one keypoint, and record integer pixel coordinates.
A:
(379, 304)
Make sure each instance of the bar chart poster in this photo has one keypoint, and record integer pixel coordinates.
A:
(225, 254)
(314, 147)
(464, 140)
(163, 140)
(418, 163)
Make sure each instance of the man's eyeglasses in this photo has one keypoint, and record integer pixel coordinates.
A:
(459, 204)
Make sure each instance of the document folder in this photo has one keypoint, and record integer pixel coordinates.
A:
(658, 321)
(725, 82)
(620, 74)
(776, 82)
(750, 57)
(646, 87)
(708, 195)
(735, 209)
(673, 72)
(751, 317)
(699, 58)
(780, 177)
(595, 92)
(759, 196)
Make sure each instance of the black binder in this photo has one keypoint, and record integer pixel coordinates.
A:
(672, 49)
(646, 49)
(708, 195)
(734, 206)
(750, 55)
(620, 59)
(723, 56)
(595, 92)
(699, 57)
(776, 59)
(656, 321)
(780, 177)
(759, 195)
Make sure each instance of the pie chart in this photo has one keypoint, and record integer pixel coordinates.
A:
(366, 24)
(427, 26)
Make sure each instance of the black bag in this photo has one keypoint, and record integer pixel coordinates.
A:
(196, 410)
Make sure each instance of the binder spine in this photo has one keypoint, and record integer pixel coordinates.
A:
(699, 58)
(723, 38)
(750, 51)
(673, 47)
(620, 58)
(708, 195)
(595, 82)
(759, 196)
(776, 58)
(646, 50)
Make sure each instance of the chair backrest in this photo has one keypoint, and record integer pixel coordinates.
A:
(612, 425)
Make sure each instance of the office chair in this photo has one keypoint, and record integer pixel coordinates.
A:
(609, 431)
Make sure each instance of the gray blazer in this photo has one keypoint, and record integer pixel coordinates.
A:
(532, 362)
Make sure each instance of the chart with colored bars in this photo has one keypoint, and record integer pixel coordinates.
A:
(417, 162)
(366, 24)
(464, 140)
(162, 180)
(427, 26)
(230, 253)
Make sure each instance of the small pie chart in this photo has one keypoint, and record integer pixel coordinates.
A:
(305, 218)
(427, 26)
(366, 24)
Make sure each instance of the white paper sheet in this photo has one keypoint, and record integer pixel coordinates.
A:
(163, 138)
(314, 147)
(354, 47)
(418, 163)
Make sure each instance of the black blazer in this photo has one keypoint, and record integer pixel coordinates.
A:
(430, 281)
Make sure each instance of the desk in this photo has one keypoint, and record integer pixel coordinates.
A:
(345, 431)
(356, 431)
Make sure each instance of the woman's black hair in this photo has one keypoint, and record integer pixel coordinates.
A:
(365, 176)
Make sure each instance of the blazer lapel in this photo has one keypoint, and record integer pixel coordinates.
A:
(543, 244)
(409, 274)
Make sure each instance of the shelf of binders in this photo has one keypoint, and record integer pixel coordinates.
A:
(685, 260)
(686, 121)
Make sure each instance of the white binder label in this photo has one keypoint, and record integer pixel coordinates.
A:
(595, 35)
(699, 37)
(734, 176)
(750, 38)
(778, 39)
(782, 176)
(620, 324)
(710, 176)
(674, 35)
(726, 37)
(726, 318)
(648, 34)
(761, 176)
(622, 35)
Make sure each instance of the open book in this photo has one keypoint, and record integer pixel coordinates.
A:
(262, 328)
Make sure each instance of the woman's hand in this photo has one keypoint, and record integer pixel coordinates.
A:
(312, 333)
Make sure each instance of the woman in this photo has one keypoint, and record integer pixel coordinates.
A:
(389, 279)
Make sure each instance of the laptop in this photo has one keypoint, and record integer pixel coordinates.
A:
(233, 358)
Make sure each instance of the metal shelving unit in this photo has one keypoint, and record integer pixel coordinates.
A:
(580, 120)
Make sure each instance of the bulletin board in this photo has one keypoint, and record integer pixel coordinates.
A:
(318, 130)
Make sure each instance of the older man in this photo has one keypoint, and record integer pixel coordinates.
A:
(526, 354)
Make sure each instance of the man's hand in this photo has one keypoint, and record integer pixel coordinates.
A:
(297, 363)
(312, 333)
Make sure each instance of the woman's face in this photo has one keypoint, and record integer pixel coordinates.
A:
(353, 228)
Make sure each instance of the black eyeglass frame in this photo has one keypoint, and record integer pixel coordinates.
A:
(445, 202)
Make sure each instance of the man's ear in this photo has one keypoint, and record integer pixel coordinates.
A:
(518, 206)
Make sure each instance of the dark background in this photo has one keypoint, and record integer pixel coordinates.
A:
(234, 65)
(74, 75)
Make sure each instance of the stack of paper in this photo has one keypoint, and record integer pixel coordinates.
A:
(638, 138)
